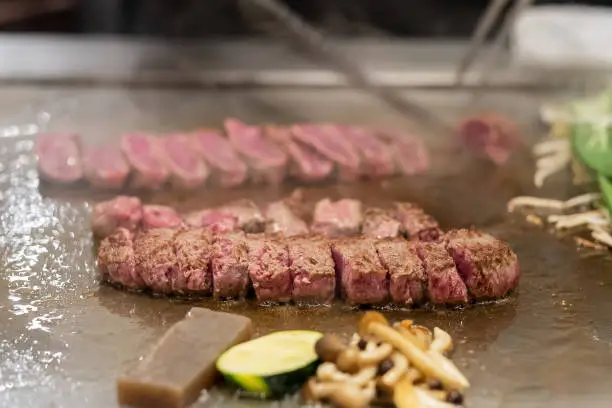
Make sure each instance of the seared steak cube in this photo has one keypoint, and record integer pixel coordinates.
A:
(267, 162)
(269, 268)
(117, 261)
(156, 261)
(218, 222)
(228, 169)
(312, 270)
(105, 167)
(416, 223)
(281, 219)
(336, 219)
(121, 211)
(193, 252)
(250, 219)
(230, 266)
(305, 163)
(362, 276)
(444, 285)
(407, 277)
(59, 157)
(145, 156)
(160, 216)
(379, 223)
(186, 167)
(488, 266)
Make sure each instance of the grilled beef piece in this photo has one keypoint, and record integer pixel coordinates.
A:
(160, 216)
(379, 223)
(59, 157)
(250, 219)
(218, 222)
(376, 156)
(105, 167)
(193, 252)
(491, 135)
(416, 223)
(305, 163)
(269, 268)
(144, 155)
(187, 169)
(487, 265)
(121, 211)
(312, 270)
(409, 152)
(156, 261)
(117, 261)
(230, 263)
(407, 277)
(281, 219)
(358, 269)
(444, 285)
(228, 170)
(339, 218)
(266, 161)
(332, 144)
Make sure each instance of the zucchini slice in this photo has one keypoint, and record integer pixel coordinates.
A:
(272, 365)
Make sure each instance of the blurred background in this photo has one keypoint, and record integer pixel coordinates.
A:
(197, 18)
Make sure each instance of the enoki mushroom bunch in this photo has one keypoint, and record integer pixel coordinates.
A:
(404, 364)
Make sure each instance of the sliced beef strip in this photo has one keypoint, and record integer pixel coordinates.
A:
(410, 154)
(228, 169)
(105, 167)
(407, 277)
(117, 261)
(281, 219)
(121, 211)
(312, 270)
(59, 157)
(488, 266)
(230, 266)
(376, 156)
(218, 222)
(193, 253)
(156, 261)
(160, 216)
(332, 144)
(249, 216)
(416, 223)
(305, 163)
(144, 155)
(336, 219)
(362, 276)
(444, 285)
(266, 161)
(186, 167)
(269, 268)
(380, 223)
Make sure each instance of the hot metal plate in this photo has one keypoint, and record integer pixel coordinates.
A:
(64, 337)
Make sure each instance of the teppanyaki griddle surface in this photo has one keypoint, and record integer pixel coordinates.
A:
(64, 337)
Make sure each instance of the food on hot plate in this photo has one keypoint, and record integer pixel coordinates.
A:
(248, 216)
(403, 365)
(491, 135)
(416, 223)
(337, 218)
(105, 167)
(145, 156)
(158, 216)
(122, 211)
(312, 270)
(407, 276)
(59, 157)
(230, 265)
(266, 160)
(182, 363)
(268, 268)
(273, 365)
(261, 154)
(380, 223)
(282, 219)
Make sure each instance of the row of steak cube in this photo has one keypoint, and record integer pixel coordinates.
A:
(462, 265)
(239, 153)
(345, 217)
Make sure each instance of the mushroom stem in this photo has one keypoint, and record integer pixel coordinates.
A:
(400, 366)
(442, 342)
(374, 354)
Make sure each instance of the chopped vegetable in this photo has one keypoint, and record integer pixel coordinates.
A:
(605, 185)
(272, 365)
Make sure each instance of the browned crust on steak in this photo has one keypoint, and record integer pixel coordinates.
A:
(116, 260)
(193, 252)
(230, 263)
(156, 261)
(312, 269)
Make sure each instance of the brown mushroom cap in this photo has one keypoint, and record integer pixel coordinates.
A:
(329, 347)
